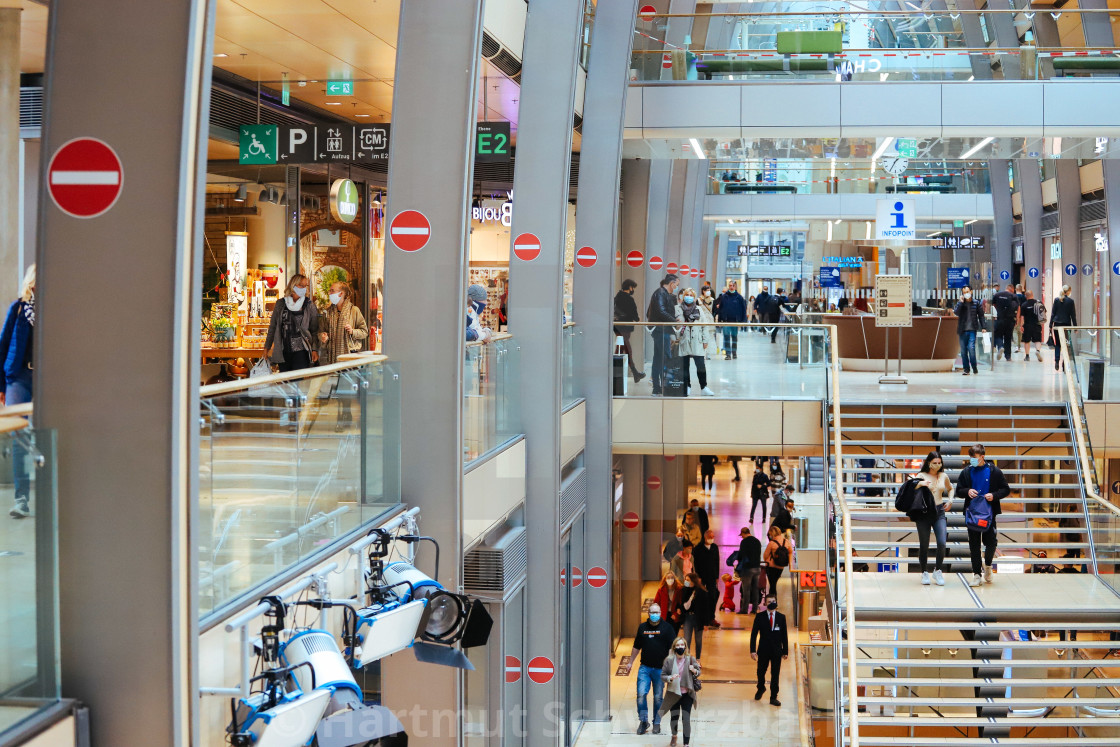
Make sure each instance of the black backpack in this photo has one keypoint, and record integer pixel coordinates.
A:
(780, 556)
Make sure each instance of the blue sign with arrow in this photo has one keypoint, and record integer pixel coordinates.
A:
(1086, 270)
(1033, 272)
(1116, 268)
(1071, 269)
(1005, 275)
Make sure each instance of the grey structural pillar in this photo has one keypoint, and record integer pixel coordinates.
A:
(674, 216)
(1002, 255)
(1005, 37)
(544, 146)
(597, 226)
(436, 127)
(1112, 280)
(10, 183)
(1068, 181)
(1095, 26)
(127, 460)
(1030, 189)
(635, 180)
(973, 36)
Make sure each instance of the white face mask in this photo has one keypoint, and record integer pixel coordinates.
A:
(689, 300)
(967, 296)
(335, 298)
(301, 291)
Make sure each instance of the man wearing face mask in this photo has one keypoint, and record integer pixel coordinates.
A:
(769, 647)
(476, 303)
(732, 310)
(654, 639)
(981, 481)
(970, 320)
(662, 308)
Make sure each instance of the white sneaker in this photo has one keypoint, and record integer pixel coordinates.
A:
(925, 578)
(988, 575)
(976, 580)
(938, 578)
(1038, 354)
(20, 510)
(707, 392)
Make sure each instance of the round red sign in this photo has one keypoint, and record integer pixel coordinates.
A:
(701, 273)
(577, 576)
(666, 61)
(410, 230)
(670, 457)
(85, 177)
(630, 520)
(695, 272)
(655, 263)
(527, 247)
(685, 270)
(634, 258)
(585, 256)
(646, 13)
(618, 259)
(671, 268)
(597, 577)
(540, 669)
(513, 669)
(654, 482)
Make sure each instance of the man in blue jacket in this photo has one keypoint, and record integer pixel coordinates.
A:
(732, 310)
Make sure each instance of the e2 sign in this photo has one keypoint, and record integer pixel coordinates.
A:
(492, 143)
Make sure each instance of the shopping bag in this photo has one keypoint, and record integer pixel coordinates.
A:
(986, 341)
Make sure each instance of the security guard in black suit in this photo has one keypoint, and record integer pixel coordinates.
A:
(769, 647)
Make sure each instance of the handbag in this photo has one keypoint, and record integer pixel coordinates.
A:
(697, 685)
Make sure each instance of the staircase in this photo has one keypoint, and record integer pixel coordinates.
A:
(995, 664)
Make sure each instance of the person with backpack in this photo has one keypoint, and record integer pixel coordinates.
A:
(981, 485)
(747, 561)
(1063, 314)
(1007, 319)
(1032, 315)
(933, 478)
(776, 557)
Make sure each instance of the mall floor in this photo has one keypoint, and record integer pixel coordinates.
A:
(726, 713)
(17, 614)
(764, 371)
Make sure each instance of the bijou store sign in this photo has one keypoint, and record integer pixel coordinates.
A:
(502, 213)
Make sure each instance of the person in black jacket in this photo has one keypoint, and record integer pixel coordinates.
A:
(662, 308)
(654, 639)
(760, 490)
(769, 647)
(970, 320)
(748, 564)
(1007, 319)
(1064, 314)
(732, 310)
(777, 306)
(981, 478)
(708, 472)
(625, 310)
(706, 563)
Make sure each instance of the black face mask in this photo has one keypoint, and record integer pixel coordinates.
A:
(679, 650)
(772, 606)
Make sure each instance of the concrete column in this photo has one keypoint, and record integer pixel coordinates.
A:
(630, 544)
(1002, 26)
(973, 36)
(1068, 181)
(720, 241)
(437, 127)
(674, 215)
(1046, 35)
(1110, 285)
(1002, 255)
(127, 455)
(10, 153)
(654, 512)
(541, 184)
(634, 215)
(1030, 187)
(597, 226)
(1095, 26)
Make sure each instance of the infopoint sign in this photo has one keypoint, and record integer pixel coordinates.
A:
(495, 214)
(894, 220)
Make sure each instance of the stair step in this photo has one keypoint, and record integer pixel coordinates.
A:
(956, 428)
(868, 545)
(877, 741)
(974, 721)
(909, 701)
(975, 682)
(972, 664)
(987, 644)
(970, 625)
(963, 559)
(901, 518)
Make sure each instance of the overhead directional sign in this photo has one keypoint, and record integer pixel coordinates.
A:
(492, 142)
(907, 147)
(262, 145)
(340, 88)
(85, 177)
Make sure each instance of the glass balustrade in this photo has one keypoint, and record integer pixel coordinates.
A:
(733, 361)
(569, 361)
(823, 176)
(1096, 359)
(289, 464)
(491, 395)
(854, 45)
(29, 664)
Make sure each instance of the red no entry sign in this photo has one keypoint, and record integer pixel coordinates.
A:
(634, 258)
(585, 256)
(695, 272)
(527, 247)
(577, 576)
(701, 273)
(655, 263)
(513, 669)
(654, 482)
(85, 177)
(618, 259)
(666, 61)
(671, 268)
(630, 520)
(597, 577)
(646, 13)
(685, 270)
(410, 230)
(541, 669)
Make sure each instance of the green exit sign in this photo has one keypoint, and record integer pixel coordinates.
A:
(958, 223)
(908, 147)
(492, 142)
(340, 88)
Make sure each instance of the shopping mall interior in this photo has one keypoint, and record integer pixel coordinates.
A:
(728, 307)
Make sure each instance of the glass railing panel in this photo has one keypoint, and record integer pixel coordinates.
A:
(569, 365)
(737, 361)
(819, 177)
(29, 665)
(491, 395)
(1096, 358)
(292, 463)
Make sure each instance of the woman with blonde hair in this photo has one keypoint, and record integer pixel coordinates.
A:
(294, 325)
(669, 596)
(695, 341)
(17, 343)
(681, 675)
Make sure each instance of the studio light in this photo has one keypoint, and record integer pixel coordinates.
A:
(241, 193)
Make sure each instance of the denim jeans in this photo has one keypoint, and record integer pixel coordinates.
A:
(19, 393)
(968, 351)
(731, 340)
(648, 676)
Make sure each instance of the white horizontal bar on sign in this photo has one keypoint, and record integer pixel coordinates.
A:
(85, 178)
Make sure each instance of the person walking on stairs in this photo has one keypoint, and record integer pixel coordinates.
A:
(981, 485)
(769, 647)
(933, 478)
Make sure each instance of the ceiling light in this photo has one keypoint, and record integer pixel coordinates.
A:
(362, 115)
(221, 54)
(971, 78)
(969, 223)
(880, 151)
(867, 237)
(696, 148)
(832, 167)
(837, 221)
(915, 7)
(334, 103)
(933, 235)
(829, 232)
(241, 194)
(974, 149)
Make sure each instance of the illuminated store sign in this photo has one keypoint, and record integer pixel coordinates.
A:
(846, 263)
(490, 214)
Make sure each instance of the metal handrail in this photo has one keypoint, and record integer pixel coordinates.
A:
(1084, 456)
(496, 337)
(849, 574)
(897, 50)
(230, 387)
(864, 13)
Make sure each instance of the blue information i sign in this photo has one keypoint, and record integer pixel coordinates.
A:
(1071, 269)
(830, 277)
(957, 277)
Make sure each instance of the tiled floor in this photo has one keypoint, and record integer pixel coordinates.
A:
(726, 713)
(17, 604)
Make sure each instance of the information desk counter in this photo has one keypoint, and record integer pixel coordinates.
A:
(930, 345)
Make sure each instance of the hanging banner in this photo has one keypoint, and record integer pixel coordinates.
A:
(237, 255)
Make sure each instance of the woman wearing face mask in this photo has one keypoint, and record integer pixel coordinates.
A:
(342, 328)
(681, 674)
(669, 597)
(1063, 314)
(707, 303)
(970, 321)
(696, 611)
(695, 341)
(933, 477)
(293, 328)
